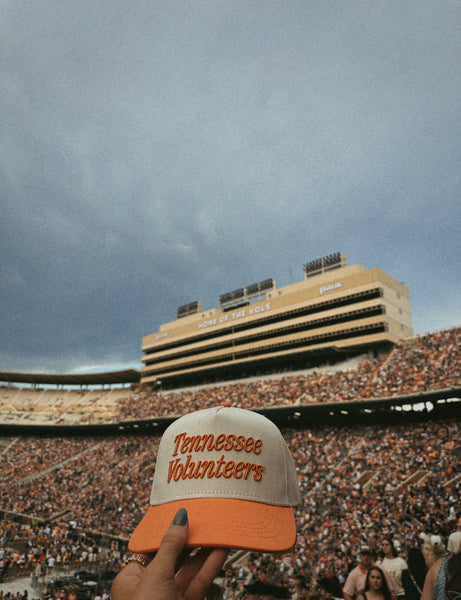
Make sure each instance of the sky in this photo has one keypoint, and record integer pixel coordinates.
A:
(155, 153)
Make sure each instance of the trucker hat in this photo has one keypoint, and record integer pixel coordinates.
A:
(232, 471)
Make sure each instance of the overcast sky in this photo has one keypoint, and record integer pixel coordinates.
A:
(154, 153)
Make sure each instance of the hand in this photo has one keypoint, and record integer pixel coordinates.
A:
(173, 574)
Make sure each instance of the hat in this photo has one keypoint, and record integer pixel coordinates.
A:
(232, 470)
(365, 550)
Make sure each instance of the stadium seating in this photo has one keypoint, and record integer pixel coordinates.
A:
(358, 482)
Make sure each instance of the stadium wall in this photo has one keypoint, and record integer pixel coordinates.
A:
(343, 312)
(431, 406)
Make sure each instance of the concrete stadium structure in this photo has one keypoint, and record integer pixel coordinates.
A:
(336, 312)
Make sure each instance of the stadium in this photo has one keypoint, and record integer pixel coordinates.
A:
(370, 412)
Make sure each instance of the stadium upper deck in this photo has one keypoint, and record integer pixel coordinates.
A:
(335, 309)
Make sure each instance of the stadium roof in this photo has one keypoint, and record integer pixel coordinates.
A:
(108, 378)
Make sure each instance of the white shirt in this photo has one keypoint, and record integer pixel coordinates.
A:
(454, 542)
(395, 566)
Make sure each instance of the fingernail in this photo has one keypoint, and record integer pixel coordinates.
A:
(180, 517)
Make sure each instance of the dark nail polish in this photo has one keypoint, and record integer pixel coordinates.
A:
(180, 517)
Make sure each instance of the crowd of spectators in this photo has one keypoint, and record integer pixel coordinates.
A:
(428, 362)
(22, 457)
(49, 550)
(105, 490)
(358, 482)
(42, 547)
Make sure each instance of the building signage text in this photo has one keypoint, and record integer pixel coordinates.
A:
(237, 314)
(332, 286)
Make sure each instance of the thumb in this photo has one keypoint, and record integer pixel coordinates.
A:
(171, 546)
(158, 579)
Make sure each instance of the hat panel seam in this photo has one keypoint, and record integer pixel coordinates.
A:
(229, 496)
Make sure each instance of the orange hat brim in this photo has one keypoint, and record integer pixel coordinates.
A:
(220, 523)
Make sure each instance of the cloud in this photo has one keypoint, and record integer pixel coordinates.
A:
(174, 151)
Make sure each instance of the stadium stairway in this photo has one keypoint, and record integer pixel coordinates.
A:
(366, 478)
(415, 479)
(454, 481)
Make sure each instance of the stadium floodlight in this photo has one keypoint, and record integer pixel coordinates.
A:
(189, 309)
(252, 289)
(327, 263)
(224, 298)
(241, 296)
(237, 294)
(258, 288)
(234, 298)
(267, 284)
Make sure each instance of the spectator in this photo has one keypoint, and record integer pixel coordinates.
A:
(332, 586)
(393, 564)
(454, 540)
(357, 578)
(433, 549)
(413, 578)
(300, 590)
(443, 580)
(376, 587)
